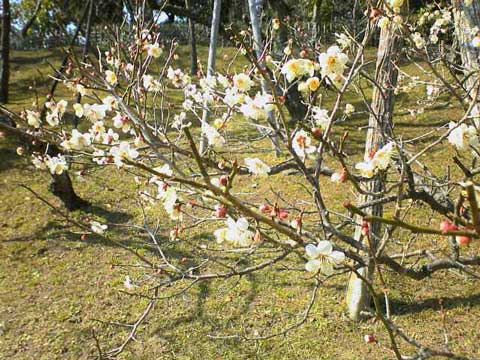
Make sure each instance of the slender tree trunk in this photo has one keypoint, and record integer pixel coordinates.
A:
(466, 18)
(379, 129)
(86, 46)
(61, 185)
(317, 6)
(193, 43)
(5, 71)
(212, 52)
(255, 8)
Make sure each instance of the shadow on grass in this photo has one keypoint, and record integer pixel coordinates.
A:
(400, 307)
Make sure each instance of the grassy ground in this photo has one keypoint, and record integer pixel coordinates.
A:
(57, 290)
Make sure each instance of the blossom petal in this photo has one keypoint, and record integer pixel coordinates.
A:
(313, 265)
(324, 247)
(311, 251)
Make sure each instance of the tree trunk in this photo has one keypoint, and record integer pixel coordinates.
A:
(193, 43)
(5, 72)
(61, 186)
(467, 18)
(317, 6)
(212, 52)
(379, 129)
(255, 8)
(86, 47)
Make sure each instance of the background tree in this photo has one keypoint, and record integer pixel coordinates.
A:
(5, 43)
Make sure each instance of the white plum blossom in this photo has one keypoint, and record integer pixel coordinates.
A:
(178, 78)
(154, 50)
(213, 136)
(95, 112)
(123, 152)
(321, 117)
(77, 141)
(242, 82)
(379, 162)
(462, 136)
(33, 119)
(301, 144)
(57, 165)
(97, 227)
(236, 233)
(343, 40)
(257, 108)
(110, 137)
(111, 78)
(121, 122)
(418, 40)
(297, 68)
(366, 168)
(349, 109)
(322, 257)
(98, 157)
(179, 121)
(333, 62)
(257, 166)
(97, 130)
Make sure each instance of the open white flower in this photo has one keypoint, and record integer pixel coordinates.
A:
(236, 233)
(366, 168)
(111, 77)
(382, 157)
(301, 144)
(296, 68)
(95, 112)
(462, 136)
(213, 136)
(257, 166)
(242, 82)
(321, 117)
(33, 119)
(97, 227)
(322, 257)
(333, 62)
(77, 141)
(123, 152)
(154, 50)
(121, 122)
(170, 198)
(57, 165)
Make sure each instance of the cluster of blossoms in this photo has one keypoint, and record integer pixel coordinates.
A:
(378, 162)
(436, 22)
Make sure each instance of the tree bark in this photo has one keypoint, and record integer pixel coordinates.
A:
(317, 5)
(212, 53)
(466, 18)
(5, 71)
(255, 8)
(61, 185)
(380, 128)
(86, 47)
(193, 43)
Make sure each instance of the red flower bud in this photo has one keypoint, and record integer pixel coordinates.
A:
(446, 226)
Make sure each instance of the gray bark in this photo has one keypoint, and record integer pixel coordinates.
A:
(212, 52)
(255, 8)
(466, 18)
(379, 129)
